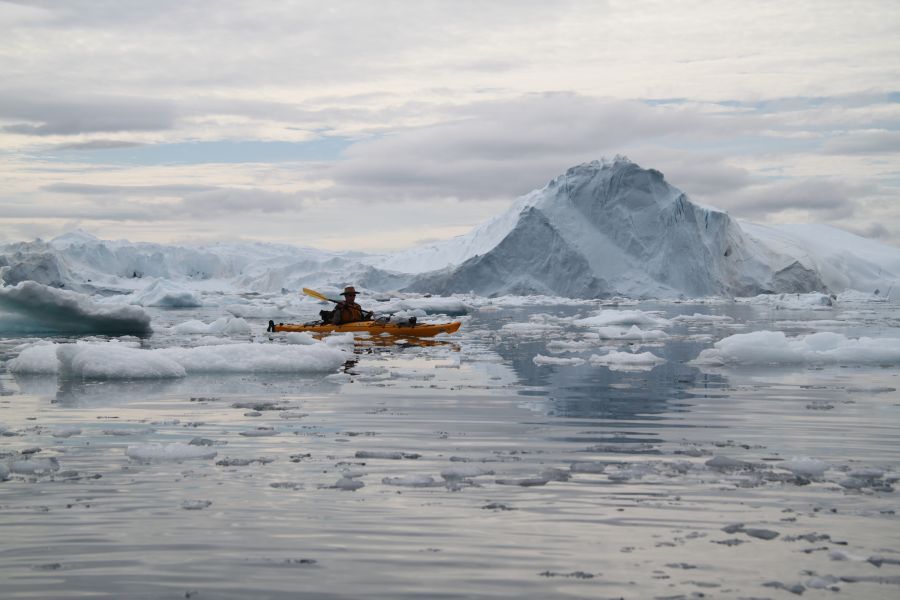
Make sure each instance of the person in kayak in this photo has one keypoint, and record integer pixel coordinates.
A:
(348, 311)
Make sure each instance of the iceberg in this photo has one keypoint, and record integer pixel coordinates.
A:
(38, 308)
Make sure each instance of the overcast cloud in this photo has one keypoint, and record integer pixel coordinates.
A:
(373, 125)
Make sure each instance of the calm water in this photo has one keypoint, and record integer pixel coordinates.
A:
(478, 473)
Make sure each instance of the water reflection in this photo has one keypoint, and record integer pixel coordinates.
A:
(596, 392)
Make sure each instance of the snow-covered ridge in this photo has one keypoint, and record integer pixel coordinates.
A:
(605, 228)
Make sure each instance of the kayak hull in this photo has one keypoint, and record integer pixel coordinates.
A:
(374, 328)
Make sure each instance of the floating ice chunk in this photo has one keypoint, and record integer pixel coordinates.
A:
(340, 339)
(65, 432)
(387, 455)
(256, 358)
(34, 466)
(36, 359)
(587, 467)
(626, 361)
(812, 300)
(164, 452)
(805, 466)
(409, 480)
(774, 347)
(114, 361)
(820, 583)
(540, 359)
(195, 504)
(41, 308)
(167, 294)
(607, 317)
(260, 432)
(614, 332)
(464, 472)
(570, 346)
(348, 484)
(698, 318)
(724, 463)
(221, 326)
(300, 338)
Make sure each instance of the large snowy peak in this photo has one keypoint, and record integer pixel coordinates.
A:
(614, 228)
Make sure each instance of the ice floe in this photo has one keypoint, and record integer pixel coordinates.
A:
(775, 348)
(221, 326)
(624, 361)
(174, 451)
(115, 360)
(38, 308)
(607, 317)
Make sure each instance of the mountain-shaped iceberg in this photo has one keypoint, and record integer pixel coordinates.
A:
(614, 228)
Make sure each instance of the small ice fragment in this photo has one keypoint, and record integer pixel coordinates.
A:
(301, 338)
(260, 432)
(587, 467)
(409, 480)
(173, 451)
(195, 504)
(34, 466)
(65, 432)
(805, 466)
(724, 463)
(387, 455)
(763, 534)
(286, 485)
(348, 484)
(464, 472)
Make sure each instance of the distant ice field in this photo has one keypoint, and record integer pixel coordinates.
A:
(549, 449)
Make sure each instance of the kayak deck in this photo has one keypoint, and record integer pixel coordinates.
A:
(372, 327)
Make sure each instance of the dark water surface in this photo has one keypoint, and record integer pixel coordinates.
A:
(478, 473)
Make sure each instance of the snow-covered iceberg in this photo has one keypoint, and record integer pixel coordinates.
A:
(612, 228)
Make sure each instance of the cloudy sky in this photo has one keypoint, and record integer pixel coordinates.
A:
(376, 125)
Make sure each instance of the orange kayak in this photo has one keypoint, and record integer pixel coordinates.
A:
(371, 327)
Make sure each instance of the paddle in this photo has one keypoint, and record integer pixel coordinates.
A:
(318, 296)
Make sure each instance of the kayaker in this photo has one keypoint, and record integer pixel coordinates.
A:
(348, 311)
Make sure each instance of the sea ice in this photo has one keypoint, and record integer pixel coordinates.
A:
(805, 466)
(624, 361)
(173, 451)
(167, 294)
(221, 326)
(112, 360)
(409, 481)
(774, 347)
(35, 359)
(540, 359)
(65, 432)
(607, 317)
(634, 333)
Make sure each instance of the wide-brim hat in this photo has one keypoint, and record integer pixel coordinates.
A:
(349, 291)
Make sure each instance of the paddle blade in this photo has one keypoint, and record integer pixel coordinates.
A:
(317, 295)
